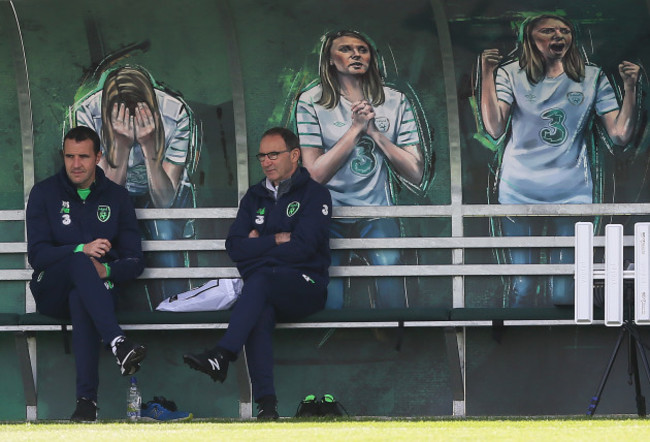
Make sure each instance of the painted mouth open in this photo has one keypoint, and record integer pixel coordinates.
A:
(356, 65)
(558, 47)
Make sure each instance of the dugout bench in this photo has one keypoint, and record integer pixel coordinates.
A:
(27, 325)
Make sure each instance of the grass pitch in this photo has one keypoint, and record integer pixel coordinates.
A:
(597, 429)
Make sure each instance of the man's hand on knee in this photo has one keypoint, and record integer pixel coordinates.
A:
(101, 269)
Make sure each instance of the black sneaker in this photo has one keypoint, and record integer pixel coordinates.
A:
(308, 407)
(129, 355)
(211, 362)
(267, 408)
(86, 411)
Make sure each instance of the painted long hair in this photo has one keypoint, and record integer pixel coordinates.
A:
(129, 85)
(372, 81)
(532, 61)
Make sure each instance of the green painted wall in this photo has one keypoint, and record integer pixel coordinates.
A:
(185, 46)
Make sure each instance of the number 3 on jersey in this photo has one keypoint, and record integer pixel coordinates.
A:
(364, 161)
(555, 132)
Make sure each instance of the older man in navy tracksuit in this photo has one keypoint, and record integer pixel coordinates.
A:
(82, 240)
(280, 242)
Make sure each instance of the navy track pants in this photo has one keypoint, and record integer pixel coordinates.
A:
(71, 288)
(270, 294)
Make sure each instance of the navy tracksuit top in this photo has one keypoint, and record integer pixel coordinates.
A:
(58, 220)
(305, 210)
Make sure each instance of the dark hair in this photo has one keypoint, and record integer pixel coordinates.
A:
(82, 133)
(290, 139)
(372, 80)
(532, 60)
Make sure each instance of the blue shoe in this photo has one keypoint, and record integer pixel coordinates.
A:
(156, 412)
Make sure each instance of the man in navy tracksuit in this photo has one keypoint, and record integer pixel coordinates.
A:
(280, 242)
(82, 240)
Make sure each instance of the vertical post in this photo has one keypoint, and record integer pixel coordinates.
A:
(238, 99)
(614, 275)
(25, 346)
(453, 127)
(26, 352)
(584, 273)
(641, 273)
(454, 339)
(245, 389)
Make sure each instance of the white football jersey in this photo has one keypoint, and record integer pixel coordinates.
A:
(176, 123)
(546, 159)
(363, 179)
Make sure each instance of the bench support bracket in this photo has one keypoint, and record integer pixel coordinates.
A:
(455, 340)
(26, 351)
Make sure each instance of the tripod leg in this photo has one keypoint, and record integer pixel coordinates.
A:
(644, 357)
(640, 351)
(634, 367)
(595, 399)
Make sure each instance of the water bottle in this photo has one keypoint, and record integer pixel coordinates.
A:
(133, 401)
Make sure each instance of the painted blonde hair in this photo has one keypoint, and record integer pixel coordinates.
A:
(372, 81)
(532, 61)
(129, 85)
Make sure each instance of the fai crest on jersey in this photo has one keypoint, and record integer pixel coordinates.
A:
(382, 124)
(292, 208)
(575, 98)
(103, 213)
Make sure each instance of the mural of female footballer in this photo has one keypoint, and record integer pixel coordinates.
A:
(541, 104)
(355, 134)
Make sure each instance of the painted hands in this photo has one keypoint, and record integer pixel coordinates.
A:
(363, 115)
(139, 127)
(629, 73)
(490, 59)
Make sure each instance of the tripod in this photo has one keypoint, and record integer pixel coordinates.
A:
(636, 348)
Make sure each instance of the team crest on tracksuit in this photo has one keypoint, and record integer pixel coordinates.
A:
(103, 213)
(292, 208)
